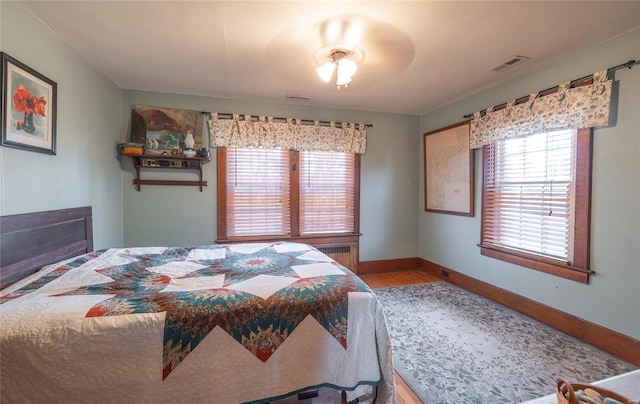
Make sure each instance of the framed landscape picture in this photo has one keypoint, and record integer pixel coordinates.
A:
(448, 170)
(28, 108)
(163, 130)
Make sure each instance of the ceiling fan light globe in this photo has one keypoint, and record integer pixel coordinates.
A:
(347, 67)
(346, 70)
(326, 71)
(343, 80)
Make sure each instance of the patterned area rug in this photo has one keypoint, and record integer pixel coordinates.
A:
(453, 346)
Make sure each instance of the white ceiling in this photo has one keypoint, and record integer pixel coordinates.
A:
(419, 55)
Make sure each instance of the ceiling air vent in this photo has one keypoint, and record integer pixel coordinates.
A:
(514, 61)
(298, 98)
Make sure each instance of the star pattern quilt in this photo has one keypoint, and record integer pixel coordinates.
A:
(258, 294)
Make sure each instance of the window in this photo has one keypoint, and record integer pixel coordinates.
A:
(536, 202)
(258, 192)
(327, 192)
(268, 194)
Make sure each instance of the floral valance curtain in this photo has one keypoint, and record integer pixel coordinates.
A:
(265, 132)
(568, 108)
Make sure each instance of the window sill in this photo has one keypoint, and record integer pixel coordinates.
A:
(528, 261)
(337, 238)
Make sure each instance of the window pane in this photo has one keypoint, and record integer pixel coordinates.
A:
(258, 192)
(528, 197)
(326, 192)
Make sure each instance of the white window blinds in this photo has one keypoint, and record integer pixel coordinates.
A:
(529, 192)
(327, 192)
(258, 189)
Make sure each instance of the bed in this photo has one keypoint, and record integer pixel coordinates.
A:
(220, 323)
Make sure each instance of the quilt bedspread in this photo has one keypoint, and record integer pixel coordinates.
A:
(258, 294)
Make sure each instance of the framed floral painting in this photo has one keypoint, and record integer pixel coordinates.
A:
(28, 108)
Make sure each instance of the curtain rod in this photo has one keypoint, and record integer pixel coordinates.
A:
(224, 115)
(551, 90)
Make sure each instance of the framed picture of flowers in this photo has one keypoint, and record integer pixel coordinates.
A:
(28, 108)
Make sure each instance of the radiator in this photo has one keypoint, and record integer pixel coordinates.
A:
(346, 255)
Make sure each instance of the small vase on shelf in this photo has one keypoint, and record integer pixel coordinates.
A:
(204, 152)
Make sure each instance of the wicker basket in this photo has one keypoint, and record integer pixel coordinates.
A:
(566, 393)
(131, 149)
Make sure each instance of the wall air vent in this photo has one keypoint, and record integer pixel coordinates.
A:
(514, 61)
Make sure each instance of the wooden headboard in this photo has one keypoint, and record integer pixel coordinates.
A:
(29, 241)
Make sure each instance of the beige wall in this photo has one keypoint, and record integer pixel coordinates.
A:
(611, 299)
(179, 215)
(85, 170)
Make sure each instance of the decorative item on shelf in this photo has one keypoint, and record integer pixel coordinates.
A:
(189, 142)
(204, 152)
(163, 143)
(131, 149)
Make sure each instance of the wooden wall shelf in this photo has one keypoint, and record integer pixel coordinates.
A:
(152, 161)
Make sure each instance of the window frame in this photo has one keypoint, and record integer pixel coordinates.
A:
(294, 164)
(579, 269)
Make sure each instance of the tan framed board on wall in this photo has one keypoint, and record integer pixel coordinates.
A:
(448, 170)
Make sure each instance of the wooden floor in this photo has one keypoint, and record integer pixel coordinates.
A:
(404, 394)
(400, 278)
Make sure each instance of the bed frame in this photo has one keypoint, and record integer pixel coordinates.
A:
(29, 241)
